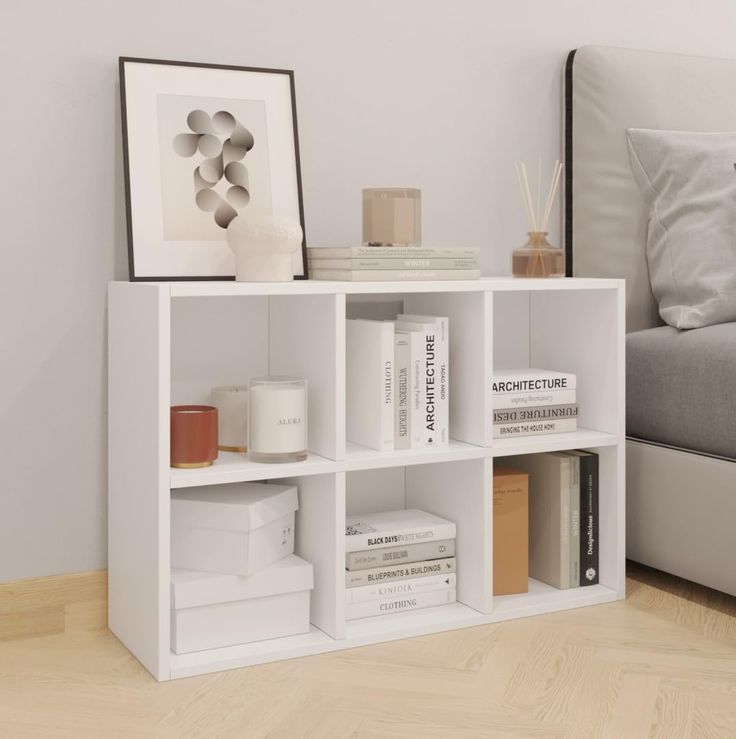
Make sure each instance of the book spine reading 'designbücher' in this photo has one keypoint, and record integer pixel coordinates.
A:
(504, 430)
(402, 389)
(390, 573)
(589, 525)
(370, 383)
(365, 560)
(399, 604)
(574, 520)
(379, 591)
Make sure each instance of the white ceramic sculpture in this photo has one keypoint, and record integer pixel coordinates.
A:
(264, 247)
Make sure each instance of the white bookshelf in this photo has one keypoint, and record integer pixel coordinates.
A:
(169, 343)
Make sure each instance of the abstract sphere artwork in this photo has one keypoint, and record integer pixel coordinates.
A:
(223, 143)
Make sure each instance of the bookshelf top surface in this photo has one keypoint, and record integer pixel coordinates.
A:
(214, 288)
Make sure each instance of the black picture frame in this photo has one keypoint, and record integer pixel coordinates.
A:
(122, 61)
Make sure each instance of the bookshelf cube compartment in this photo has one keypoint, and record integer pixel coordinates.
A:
(573, 330)
(542, 597)
(457, 491)
(469, 316)
(229, 340)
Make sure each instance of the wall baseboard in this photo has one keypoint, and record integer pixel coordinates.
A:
(44, 606)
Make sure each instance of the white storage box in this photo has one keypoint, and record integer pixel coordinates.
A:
(210, 611)
(232, 529)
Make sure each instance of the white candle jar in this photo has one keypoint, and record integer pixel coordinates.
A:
(231, 402)
(277, 423)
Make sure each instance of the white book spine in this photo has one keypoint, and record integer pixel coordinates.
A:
(428, 381)
(388, 275)
(380, 591)
(532, 381)
(442, 329)
(399, 537)
(416, 402)
(533, 399)
(508, 430)
(399, 604)
(402, 389)
(370, 383)
(390, 573)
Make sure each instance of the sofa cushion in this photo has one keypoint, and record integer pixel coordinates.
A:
(681, 387)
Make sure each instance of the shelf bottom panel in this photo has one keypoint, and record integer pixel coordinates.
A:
(583, 438)
(362, 632)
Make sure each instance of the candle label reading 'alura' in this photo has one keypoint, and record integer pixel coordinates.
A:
(277, 415)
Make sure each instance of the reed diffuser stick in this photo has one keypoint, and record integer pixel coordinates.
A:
(538, 212)
(551, 195)
(527, 204)
(528, 195)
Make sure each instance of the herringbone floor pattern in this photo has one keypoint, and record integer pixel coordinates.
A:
(662, 665)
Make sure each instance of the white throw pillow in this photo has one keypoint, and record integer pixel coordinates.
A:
(689, 181)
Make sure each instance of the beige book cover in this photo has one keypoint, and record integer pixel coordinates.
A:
(549, 515)
(510, 531)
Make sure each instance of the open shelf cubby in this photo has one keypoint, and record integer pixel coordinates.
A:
(170, 343)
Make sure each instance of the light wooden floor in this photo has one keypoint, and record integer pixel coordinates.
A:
(661, 664)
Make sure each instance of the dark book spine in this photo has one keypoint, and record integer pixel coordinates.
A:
(589, 544)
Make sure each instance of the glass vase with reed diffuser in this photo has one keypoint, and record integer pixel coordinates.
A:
(538, 258)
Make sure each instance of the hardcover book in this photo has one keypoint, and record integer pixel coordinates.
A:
(532, 380)
(391, 252)
(368, 559)
(533, 399)
(412, 570)
(549, 515)
(434, 412)
(402, 390)
(370, 383)
(574, 519)
(538, 413)
(399, 604)
(379, 591)
(510, 531)
(441, 369)
(388, 275)
(394, 528)
(589, 525)
(387, 263)
(531, 428)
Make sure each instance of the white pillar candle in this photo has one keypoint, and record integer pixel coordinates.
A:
(277, 428)
(231, 402)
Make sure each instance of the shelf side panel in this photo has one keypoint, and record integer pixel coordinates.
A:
(138, 469)
(320, 539)
(306, 339)
(461, 492)
(470, 358)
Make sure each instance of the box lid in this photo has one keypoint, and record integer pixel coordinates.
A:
(190, 588)
(241, 507)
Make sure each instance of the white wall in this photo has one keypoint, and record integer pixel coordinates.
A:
(439, 95)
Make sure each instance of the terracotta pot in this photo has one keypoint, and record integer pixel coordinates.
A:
(193, 435)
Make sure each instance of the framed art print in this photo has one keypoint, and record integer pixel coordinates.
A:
(204, 143)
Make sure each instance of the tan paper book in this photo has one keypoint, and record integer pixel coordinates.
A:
(510, 531)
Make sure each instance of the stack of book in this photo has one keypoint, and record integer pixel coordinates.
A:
(527, 402)
(405, 263)
(398, 561)
(563, 516)
(398, 375)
